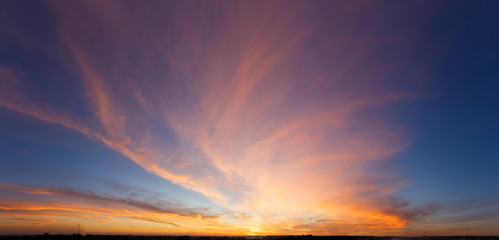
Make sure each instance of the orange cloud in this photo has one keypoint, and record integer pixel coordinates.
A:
(260, 124)
(51, 206)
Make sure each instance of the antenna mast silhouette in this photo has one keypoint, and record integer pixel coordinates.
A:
(79, 229)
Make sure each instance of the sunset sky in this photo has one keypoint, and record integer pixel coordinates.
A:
(249, 117)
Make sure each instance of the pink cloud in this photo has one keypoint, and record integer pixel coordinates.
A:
(254, 131)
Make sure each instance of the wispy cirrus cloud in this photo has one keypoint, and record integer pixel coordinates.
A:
(250, 104)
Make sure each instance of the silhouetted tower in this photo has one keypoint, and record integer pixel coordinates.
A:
(78, 229)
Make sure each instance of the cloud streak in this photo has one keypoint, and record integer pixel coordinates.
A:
(50, 205)
(162, 207)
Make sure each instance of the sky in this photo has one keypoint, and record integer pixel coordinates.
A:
(244, 117)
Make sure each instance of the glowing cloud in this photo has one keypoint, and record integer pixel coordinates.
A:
(248, 103)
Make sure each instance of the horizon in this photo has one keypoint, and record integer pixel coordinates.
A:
(249, 118)
(250, 236)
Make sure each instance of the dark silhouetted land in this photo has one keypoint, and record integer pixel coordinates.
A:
(303, 237)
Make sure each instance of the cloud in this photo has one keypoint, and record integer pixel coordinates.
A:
(161, 207)
(100, 213)
(250, 104)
